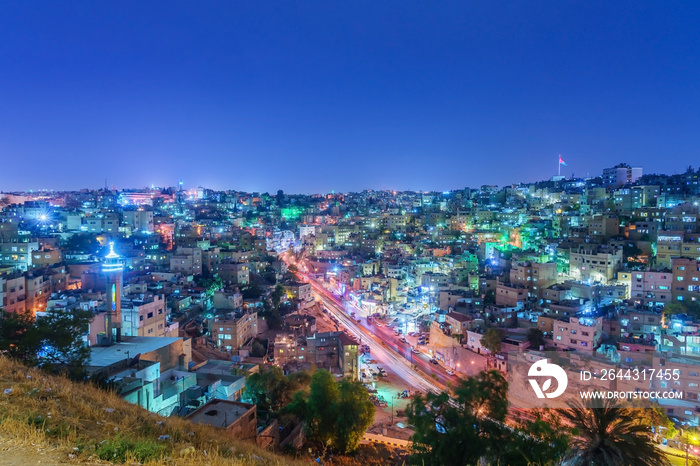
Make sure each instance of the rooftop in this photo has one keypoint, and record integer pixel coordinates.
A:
(101, 356)
(220, 413)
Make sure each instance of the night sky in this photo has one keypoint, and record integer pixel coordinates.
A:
(318, 96)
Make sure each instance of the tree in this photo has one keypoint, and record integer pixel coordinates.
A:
(83, 243)
(59, 334)
(492, 339)
(536, 338)
(271, 390)
(689, 308)
(257, 350)
(276, 297)
(336, 413)
(54, 342)
(471, 427)
(544, 440)
(320, 414)
(280, 197)
(354, 415)
(606, 433)
(15, 333)
(251, 292)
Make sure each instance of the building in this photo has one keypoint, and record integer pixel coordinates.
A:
(534, 276)
(187, 261)
(239, 419)
(146, 316)
(668, 246)
(603, 227)
(234, 330)
(139, 220)
(334, 351)
(620, 175)
(647, 287)
(234, 273)
(577, 332)
(686, 279)
(112, 270)
(18, 256)
(595, 262)
(511, 295)
(298, 290)
(458, 324)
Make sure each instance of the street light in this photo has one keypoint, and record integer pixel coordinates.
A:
(687, 447)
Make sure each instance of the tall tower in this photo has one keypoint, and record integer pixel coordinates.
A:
(113, 271)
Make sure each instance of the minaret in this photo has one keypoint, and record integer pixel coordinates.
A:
(113, 270)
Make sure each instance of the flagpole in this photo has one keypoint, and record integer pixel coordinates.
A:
(559, 166)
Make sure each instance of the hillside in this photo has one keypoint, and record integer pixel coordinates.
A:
(52, 420)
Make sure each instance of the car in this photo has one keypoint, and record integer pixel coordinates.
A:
(450, 372)
(415, 350)
(403, 340)
(378, 324)
(434, 361)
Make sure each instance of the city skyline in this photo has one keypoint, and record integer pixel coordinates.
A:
(180, 184)
(314, 98)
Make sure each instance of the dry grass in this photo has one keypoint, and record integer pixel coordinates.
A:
(79, 423)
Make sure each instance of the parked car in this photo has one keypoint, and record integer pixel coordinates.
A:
(415, 350)
(434, 361)
(450, 372)
(403, 340)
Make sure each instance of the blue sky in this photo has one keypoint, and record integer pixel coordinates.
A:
(318, 96)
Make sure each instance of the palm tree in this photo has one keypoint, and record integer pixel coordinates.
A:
(609, 434)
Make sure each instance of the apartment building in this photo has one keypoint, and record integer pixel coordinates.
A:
(511, 295)
(13, 296)
(648, 287)
(298, 290)
(603, 227)
(595, 262)
(146, 316)
(139, 220)
(18, 256)
(334, 351)
(577, 332)
(620, 175)
(234, 330)
(686, 279)
(534, 276)
(187, 261)
(234, 273)
(640, 321)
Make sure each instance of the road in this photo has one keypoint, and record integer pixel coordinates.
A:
(422, 359)
(383, 352)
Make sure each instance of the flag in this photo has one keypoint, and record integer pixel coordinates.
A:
(561, 161)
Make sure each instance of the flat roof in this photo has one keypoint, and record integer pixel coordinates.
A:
(102, 356)
(220, 413)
